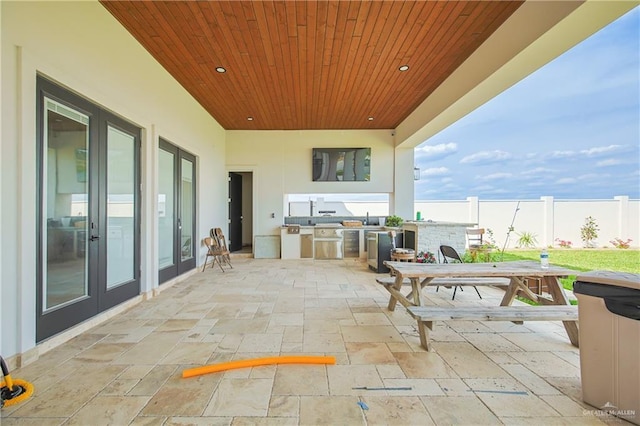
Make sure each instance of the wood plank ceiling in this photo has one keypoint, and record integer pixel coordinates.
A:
(310, 64)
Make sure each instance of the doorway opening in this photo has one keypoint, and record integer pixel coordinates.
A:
(240, 232)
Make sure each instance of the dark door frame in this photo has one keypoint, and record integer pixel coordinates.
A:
(179, 267)
(235, 211)
(98, 297)
(246, 171)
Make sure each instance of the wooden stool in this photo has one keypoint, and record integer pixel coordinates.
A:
(403, 257)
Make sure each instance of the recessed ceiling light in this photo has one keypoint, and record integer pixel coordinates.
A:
(370, 119)
(249, 118)
(403, 68)
(221, 70)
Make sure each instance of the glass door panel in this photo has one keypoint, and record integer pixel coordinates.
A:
(166, 209)
(176, 211)
(88, 233)
(66, 191)
(121, 182)
(186, 211)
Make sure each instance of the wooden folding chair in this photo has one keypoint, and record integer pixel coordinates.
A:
(215, 251)
(222, 242)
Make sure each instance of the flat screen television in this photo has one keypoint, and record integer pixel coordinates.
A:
(341, 164)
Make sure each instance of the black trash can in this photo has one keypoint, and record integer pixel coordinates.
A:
(609, 327)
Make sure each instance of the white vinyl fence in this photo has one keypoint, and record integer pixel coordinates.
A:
(547, 219)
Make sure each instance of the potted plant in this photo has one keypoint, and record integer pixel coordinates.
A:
(393, 221)
(425, 257)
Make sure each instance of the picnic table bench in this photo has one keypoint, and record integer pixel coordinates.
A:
(426, 315)
(516, 274)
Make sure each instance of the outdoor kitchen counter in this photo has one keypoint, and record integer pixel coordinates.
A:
(294, 238)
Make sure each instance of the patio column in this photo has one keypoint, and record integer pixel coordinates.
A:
(547, 221)
(474, 209)
(623, 215)
(401, 201)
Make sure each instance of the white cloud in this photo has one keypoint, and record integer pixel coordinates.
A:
(562, 154)
(564, 181)
(599, 150)
(609, 162)
(537, 171)
(486, 157)
(441, 150)
(483, 188)
(495, 176)
(588, 176)
(435, 171)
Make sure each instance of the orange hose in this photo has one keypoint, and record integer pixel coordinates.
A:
(214, 368)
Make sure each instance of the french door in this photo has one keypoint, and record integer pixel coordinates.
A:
(89, 210)
(176, 211)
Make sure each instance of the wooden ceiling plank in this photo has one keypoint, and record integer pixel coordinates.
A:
(334, 106)
(301, 46)
(169, 56)
(293, 68)
(309, 66)
(452, 9)
(351, 63)
(417, 65)
(226, 85)
(315, 66)
(445, 14)
(324, 65)
(393, 24)
(270, 81)
(266, 34)
(371, 36)
(291, 17)
(463, 48)
(417, 22)
(345, 83)
(318, 64)
(257, 103)
(228, 82)
(257, 60)
(390, 70)
(406, 24)
(269, 35)
(276, 14)
(335, 68)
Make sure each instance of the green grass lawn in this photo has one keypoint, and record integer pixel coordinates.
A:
(582, 260)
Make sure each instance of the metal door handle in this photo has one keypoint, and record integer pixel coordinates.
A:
(94, 237)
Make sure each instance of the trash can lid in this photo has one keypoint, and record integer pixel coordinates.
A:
(620, 279)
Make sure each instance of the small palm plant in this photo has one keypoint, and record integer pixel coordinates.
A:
(527, 240)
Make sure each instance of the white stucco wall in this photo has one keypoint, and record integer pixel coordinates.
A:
(281, 163)
(81, 46)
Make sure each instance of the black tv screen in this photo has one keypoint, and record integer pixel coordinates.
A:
(341, 164)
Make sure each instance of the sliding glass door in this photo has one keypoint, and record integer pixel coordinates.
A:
(176, 211)
(89, 220)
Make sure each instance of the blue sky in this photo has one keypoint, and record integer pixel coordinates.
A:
(570, 130)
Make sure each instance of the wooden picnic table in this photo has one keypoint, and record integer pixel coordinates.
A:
(421, 274)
